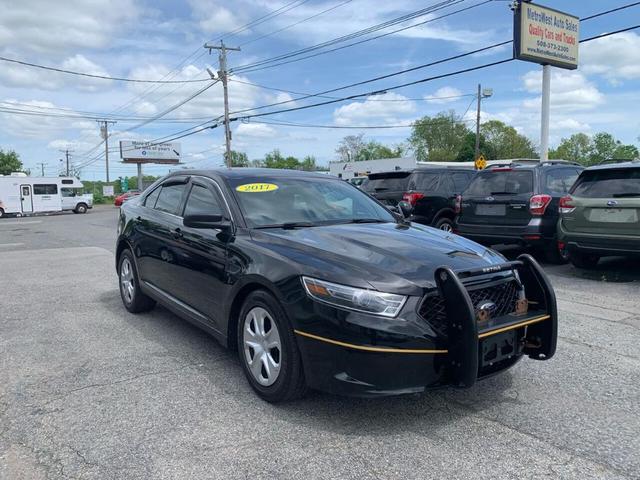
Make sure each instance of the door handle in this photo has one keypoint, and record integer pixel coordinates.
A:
(177, 233)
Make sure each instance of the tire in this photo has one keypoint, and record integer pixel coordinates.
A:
(260, 317)
(581, 260)
(1, 213)
(552, 254)
(132, 297)
(445, 224)
(81, 208)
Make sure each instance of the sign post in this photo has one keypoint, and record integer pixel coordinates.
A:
(549, 37)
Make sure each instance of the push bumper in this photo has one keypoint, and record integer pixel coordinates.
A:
(342, 356)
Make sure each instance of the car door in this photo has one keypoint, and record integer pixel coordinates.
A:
(200, 280)
(157, 234)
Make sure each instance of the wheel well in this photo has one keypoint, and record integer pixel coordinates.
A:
(450, 214)
(122, 245)
(234, 311)
(81, 203)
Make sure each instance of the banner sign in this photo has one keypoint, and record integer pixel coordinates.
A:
(147, 152)
(547, 36)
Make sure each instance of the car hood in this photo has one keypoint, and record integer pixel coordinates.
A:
(386, 256)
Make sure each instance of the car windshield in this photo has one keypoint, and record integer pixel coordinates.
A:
(501, 182)
(616, 182)
(300, 202)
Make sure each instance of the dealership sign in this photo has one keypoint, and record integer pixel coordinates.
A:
(546, 36)
(148, 152)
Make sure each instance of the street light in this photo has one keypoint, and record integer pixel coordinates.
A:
(482, 93)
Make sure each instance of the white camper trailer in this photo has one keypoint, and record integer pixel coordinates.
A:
(23, 195)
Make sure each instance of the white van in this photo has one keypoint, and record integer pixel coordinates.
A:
(22, 195)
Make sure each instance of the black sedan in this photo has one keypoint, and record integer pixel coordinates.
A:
(318, 285)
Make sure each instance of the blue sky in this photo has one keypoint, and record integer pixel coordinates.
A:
(144, 39)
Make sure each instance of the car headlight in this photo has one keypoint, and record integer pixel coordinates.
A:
(359, 299)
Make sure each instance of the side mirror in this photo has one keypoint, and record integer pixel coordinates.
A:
(207, 221)
(405, 208)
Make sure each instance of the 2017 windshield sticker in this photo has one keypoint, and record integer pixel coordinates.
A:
(257, 187)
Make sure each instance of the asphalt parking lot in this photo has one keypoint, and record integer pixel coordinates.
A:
(88, 390)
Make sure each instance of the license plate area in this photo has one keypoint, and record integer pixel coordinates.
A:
(496, 348)
(490, 209)
(613, 215)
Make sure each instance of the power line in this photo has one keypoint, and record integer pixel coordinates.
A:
(350, 36)
(295, 23)
(91, 75)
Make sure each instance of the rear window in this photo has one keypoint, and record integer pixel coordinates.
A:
(424, 181)
(396, 181)
(501, 182)
(608, 183)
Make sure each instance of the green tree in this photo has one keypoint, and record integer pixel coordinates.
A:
(438, 138)
(503, 141)
(577, 148)
(239, 159)
(604, 147)
(350, 148)
(628, 152)
(373, 150)
(9, 162)
(309, 163)
(467, 152)
(275, 159)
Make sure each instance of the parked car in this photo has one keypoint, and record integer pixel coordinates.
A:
(517, 203)
(120, 199)
(432, 192)
(601, 215)
(318, 285)
(387, 187)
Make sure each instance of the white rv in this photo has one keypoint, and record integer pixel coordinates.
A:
(23, 195)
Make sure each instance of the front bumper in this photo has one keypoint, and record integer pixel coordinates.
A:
(353, 354)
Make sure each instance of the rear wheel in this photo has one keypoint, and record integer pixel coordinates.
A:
(1, 213)
(582, 260)
(444, 224)
(133, 298)
(554, 254)
(268, 351)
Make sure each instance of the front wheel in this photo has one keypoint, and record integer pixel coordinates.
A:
(81, 208)
(1, 213)
(445, 224)
(582, 260)
(268, 351)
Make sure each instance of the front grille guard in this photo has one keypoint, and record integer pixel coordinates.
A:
(462, 328)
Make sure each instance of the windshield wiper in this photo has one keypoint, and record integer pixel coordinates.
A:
(626, 194)
(503, 193)
(366, 220)
(289, 225)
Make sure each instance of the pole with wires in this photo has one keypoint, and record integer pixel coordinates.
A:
(222, 73)
(42, 165)
(66, 155)
(104, 131)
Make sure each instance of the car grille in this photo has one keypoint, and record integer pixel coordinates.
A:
(503, 295)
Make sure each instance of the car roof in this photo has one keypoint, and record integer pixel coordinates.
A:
(612, 165)
(531, 164)
(243, 172)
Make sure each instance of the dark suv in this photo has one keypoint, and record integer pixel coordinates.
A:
(517, 203)
(387, 187)
(432, 193)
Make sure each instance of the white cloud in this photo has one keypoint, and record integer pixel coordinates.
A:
(255, 130)
(374, 112)
(569, 90)
(31, 126)
(444, 95)
(57, 27)
(616, 57)
(213, 17)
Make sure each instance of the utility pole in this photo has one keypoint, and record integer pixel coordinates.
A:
(486, 93)
(66, 154)
(104, 131)
(544, 113)
(222, 73)
(41, 167)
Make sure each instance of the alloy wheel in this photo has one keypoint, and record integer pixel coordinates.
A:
(126, 280)
(446, 227)
(262, 346)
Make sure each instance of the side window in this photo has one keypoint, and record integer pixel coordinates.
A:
(45, 189)
(150, 201)
(202, 201)
(67, 192)
(560, 180)
(170, 198)
(460, 181)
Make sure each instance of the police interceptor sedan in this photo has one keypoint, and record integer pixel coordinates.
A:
(317, 285)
